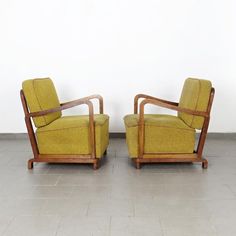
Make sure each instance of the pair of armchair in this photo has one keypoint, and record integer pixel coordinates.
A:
(85, 138)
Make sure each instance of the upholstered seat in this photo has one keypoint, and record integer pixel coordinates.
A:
(171, 138)
(163, 134)
(74, 135)
(76, 139)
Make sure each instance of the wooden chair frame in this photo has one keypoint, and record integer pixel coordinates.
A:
(86, 158)
(196, 156)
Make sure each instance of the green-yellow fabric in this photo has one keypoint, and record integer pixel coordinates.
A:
(163, 134)
(70, 135)
(195, 96)
(41, 95)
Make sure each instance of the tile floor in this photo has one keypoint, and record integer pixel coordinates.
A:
(117, 199)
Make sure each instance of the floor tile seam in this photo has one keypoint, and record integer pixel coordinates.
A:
(134, 217)
(88, 208)
(58, 225)
(36, 215)
(39, 185)
(48, 169)
(46, 198)
(8, 225)
(163, 218)
(199, 199)
(212, 226)
(109, 229)
(82, 185)
(191, 201)
(82, 199)
(52, 186)
(230, 189)
(42, 174)
(161, 225)
(113, 167)
(135, 207)
(73, 190)
(58, 179)
(42, 207)
(41, 215)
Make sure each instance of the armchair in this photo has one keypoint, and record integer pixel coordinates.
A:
(62, 139)
(167, 138)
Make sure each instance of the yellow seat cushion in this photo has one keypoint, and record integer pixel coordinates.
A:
(70, 135)
(163, 134)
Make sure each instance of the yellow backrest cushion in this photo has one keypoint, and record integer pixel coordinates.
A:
(195, 96)
(41, 95)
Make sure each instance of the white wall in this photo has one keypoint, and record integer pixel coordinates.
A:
(118, 48)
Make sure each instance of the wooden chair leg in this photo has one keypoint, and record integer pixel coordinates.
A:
(204, 164)
(30, 164)
(137, 164)
(96, 165)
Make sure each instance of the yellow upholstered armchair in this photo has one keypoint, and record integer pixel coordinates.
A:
(57, 138)
(168, 138)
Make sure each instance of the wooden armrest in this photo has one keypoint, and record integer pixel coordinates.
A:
(170, 106)
(138, 96)
(95, 96)
(63, 107)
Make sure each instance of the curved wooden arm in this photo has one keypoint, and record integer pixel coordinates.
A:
(138, 96)
(62, 107)
(95, 96)
(172, 107)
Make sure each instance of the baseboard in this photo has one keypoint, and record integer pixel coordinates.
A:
(17, 136)
(117, 135)
(13, 136)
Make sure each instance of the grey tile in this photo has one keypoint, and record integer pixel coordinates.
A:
(84, 180)
(16, 145)
(14, 206)
(40, 180)
(133, 192)
(4, 222)
(224, 225)
(91, 192)
(33, 225)
(185, 226)
(222, 207)
(111, 207)
(136, 226)
(86, 226)
(220, 147)
(16, 191)
(65, 207)
(48, 192)
(14, 159)
(170, 207)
